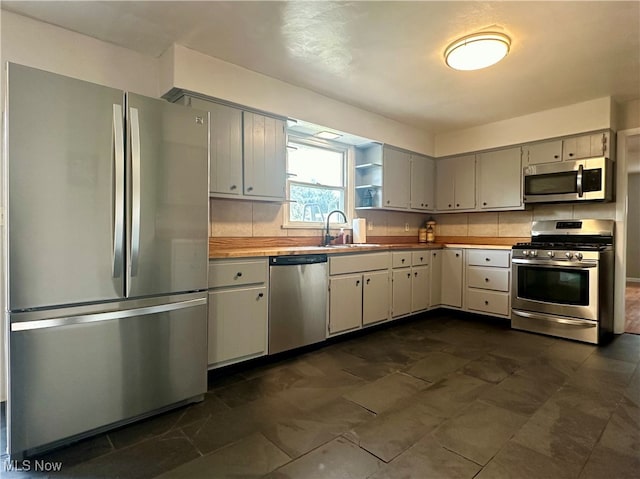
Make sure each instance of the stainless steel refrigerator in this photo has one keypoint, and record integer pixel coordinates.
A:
(106, 271)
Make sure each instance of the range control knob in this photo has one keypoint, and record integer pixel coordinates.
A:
(526, 253)
(569, 254)
(550, 254)
(534, 253)
(579, 256)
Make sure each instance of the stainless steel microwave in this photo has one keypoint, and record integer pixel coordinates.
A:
(590, 179)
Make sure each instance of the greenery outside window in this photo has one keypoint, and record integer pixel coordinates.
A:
(317, 181)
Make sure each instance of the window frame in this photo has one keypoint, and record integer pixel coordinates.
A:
(348, 166)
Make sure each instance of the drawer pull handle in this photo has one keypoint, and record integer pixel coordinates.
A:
(239, 274)
(457, 255)
(368, 280)
(415, 274)
(233, 187)
(486, 303)
(358, 283)
(408, 275)
(487, 259)
(403, 260)
(486, 280)
(421, 258)
(250, 188)
(260, 295)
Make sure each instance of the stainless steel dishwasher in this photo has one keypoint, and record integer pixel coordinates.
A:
(297, 301)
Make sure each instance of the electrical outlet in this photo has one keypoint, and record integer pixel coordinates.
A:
(406, 226)
(370, 226)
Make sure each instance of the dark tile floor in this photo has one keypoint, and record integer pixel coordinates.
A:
(440, 396)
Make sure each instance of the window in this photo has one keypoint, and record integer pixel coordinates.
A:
(317, 181)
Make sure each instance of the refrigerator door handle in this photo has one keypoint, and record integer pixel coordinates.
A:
(106, 316)
(135, 190)
(118, 199)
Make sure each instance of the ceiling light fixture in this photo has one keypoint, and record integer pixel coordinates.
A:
(327, 135)
(478, 50)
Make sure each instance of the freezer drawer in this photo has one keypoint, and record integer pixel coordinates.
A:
(73, 374)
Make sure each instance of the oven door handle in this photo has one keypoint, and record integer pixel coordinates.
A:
(583, 323)
(553, 264)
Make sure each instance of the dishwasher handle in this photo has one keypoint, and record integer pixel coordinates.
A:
(296, 259)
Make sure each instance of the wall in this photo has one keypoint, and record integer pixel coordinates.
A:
(591, 115)
(257, 219)
(633, 227)
(628, 115)
(191, 70)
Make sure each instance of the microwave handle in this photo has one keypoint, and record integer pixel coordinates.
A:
(579, 181)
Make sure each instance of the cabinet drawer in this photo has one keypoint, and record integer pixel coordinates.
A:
(237, 273)
(401, 259)
(491, 302)
(496, 279)
(489, 257)
(357, 263)
(419, 258)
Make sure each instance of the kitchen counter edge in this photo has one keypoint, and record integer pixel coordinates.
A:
(335, 250)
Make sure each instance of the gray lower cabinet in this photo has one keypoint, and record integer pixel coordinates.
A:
(410, 282)
(452, 271)
(401, 294)
(488, 282)
(375, 297)
(345, 303)
(238, 310)
(358, 291)
(435, 278)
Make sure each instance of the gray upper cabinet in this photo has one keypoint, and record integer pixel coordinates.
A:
(568, 149)
(545, 152)
(387, 177)
(225, 139)
(500, 179)
(396, 177)
(264, 155)
(247, 152)
(586, 146)
(422, 183)
(456, 183)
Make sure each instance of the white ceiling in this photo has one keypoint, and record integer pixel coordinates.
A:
(386, 57)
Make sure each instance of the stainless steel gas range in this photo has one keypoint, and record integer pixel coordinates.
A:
(562, 281)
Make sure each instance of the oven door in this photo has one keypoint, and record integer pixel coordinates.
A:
(558, 288)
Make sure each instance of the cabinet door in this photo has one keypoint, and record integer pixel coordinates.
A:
(465, 182)
(445, 180)
(419, 288)
(264, 140)
(435, 279)
(422, 182)
(345, 303)
(237, 323)
(599, 144)
(546, 152)
(401, 292)
(375, 297)
(225, 147)
(396, 178)
(576, 147)
(500, 179)
(452, 278)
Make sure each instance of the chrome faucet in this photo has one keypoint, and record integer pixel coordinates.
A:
(327, 236)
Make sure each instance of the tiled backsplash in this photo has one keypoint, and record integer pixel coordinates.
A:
(256, 219)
